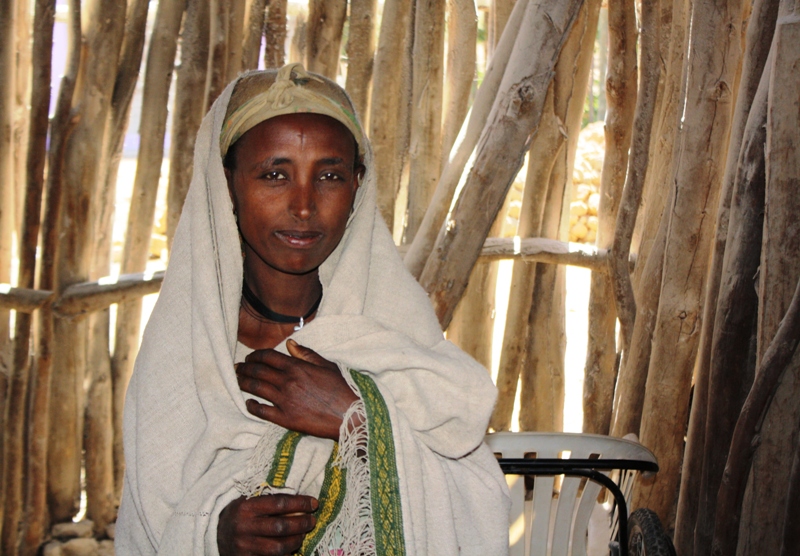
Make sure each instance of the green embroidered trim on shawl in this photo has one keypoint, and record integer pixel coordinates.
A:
(331, 498)
(284, 456)
(387, 515)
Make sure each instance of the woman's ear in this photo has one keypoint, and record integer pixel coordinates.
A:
(360, 171)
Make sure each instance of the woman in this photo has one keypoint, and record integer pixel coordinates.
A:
(293, 391)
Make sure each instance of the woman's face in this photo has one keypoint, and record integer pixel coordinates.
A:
(293, 183)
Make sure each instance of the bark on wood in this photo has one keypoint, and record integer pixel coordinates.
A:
(16, 410)
(96, 296)
(7, 50)
(696, 499)
(621, 284)
(629, 395)
(360, 54)
(703, 141)
(389, 108)
(64, 122)
(99, 478)
(439, 206)
(777, 360)
(462, 34)
(499, 13)
(791, 533)
(729, 375)
(101, 499)
(472, 326)
(542, 377)
(253, 33)
(658, 182)
(217, 75)
(158, 77)
(621, 91)
(22, 97)
(297, 49)
(235, 38)
(780, 269)
(275, 30)
(103, 22)
(325, 25)
(23, 300)
(514, 118)
(425, 148)
(544, 152)
(188, 110)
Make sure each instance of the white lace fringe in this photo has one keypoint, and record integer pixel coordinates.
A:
(352, 532)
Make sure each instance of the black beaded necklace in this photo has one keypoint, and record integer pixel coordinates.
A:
(269, 314)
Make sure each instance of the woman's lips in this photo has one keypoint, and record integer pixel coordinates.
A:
(297, 238)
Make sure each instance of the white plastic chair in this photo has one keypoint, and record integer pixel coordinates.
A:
(550, 517)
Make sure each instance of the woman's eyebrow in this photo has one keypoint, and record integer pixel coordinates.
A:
(332, 161)
(273, 161)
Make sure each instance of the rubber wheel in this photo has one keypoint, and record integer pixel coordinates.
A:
(646, 536)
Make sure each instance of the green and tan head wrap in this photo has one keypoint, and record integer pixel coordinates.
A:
(262, 95)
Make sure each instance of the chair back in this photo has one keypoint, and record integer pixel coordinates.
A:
(550, 513)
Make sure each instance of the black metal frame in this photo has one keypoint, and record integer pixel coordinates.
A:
(589, 468)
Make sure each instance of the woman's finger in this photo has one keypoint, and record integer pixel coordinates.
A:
(271, 413)
(281, 504)
(306, 354)
(263, 385)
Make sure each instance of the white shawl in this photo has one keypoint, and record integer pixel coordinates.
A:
(189, 440)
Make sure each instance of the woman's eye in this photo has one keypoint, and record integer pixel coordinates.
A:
(330, 176)
(273, 176)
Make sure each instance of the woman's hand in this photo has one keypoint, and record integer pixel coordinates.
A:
(309, 393)
(270, 525)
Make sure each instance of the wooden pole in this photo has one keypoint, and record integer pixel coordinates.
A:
(427, 75)
(621, 91)
(360, 55)
(504, 141)
(779, 271)
(103, 22)
(462, 34)
(423, 242)
(253, 33)
(629, 394)
(7, 210)
(14, 469)
(64, 122)
(388, 118)
(730, 372)
(621, 284)
(776, 361)
(219, 12)
(158, 77)
(325, 25)
(499, 14)
(545, 150)
(704, 455)
(188, 110)
(235, 39)
(697, 173)
(542, 377)
(275, 30)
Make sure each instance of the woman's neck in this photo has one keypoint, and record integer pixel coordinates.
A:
(287, 294)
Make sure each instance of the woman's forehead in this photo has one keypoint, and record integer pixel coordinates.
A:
(291, 131)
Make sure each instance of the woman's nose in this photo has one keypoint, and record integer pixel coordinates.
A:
(303, 204)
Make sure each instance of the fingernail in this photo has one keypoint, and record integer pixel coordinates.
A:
(314, 504)
(236, 367)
